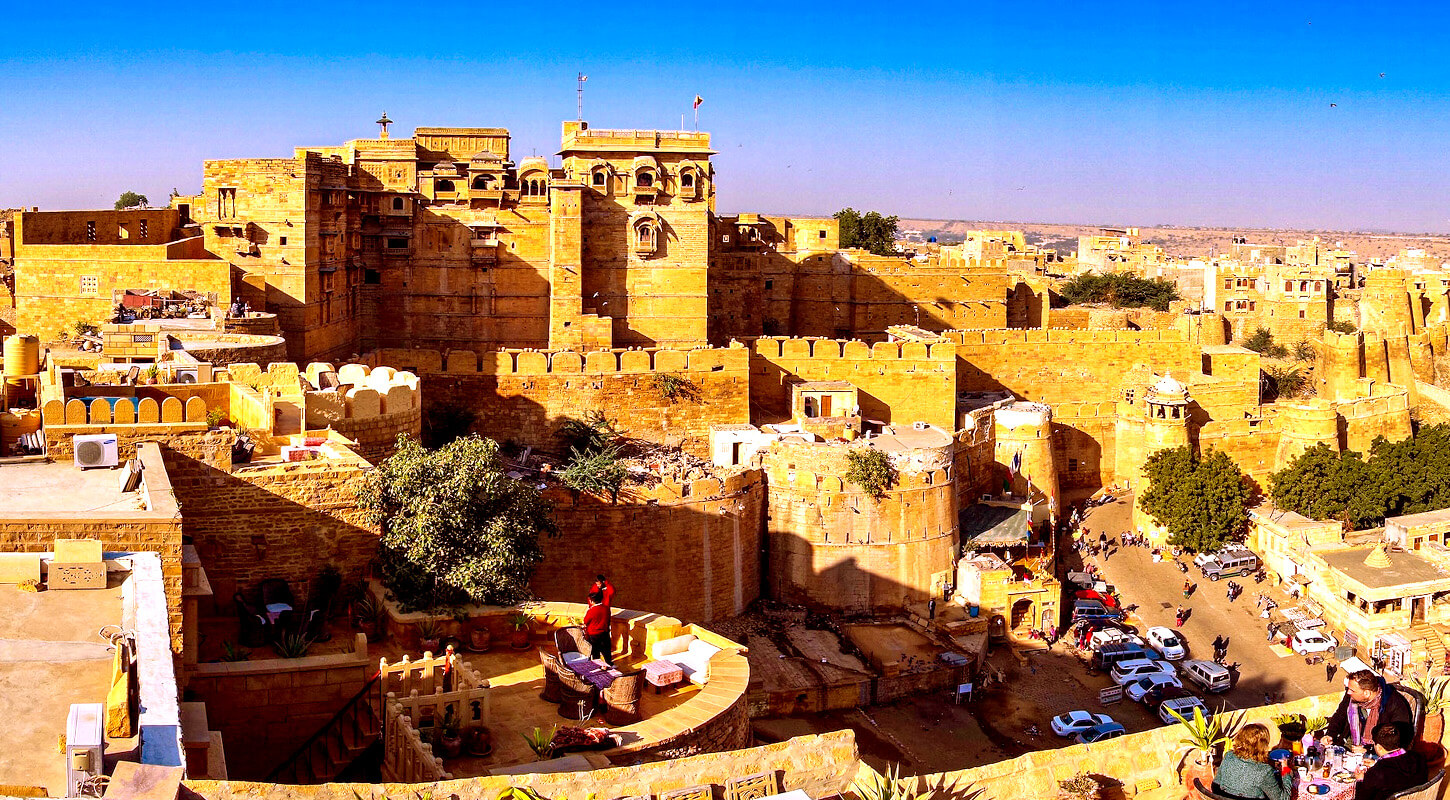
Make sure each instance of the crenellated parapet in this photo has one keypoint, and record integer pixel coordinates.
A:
(565, 362)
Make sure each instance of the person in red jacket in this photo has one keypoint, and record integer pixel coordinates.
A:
(603, 586)
(596, 628)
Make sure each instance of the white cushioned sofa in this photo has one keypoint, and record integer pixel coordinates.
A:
(691, 653)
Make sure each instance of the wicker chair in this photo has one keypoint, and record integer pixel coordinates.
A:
(553, 690)
(751, 787)
(1212, 794)
(574, 690)
(621, 699)
(1428, 790)
(571, 640)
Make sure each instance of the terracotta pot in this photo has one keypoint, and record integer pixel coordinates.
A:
(478, 741)
(519, 639)
(480, 640)
(429, 645)
(451, 746)
(1196, 765)
(1434, 728)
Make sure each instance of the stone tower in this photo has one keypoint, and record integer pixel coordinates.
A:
(1384, 307)
(1304, 424)
(1024, 438)
(1165, 426)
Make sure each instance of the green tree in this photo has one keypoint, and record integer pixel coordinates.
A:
(455, 528)
(1341, 327)
(1262, 341)
(1324, 484)
(868, 231)
(1413, 475)
(1286, 382)
(129, 199)
(1119, 289)
(1202, 502)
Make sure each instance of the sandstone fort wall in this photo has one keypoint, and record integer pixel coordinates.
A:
(830, 544)
(1052, 366)
(899, 382)
(525, 395)
(689, 549)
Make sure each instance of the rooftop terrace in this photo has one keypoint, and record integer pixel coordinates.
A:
(31, 487)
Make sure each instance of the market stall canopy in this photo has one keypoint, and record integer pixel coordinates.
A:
(984, 525)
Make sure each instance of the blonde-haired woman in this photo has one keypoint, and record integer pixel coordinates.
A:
(1246, 771)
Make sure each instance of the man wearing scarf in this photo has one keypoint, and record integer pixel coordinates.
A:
(1368, 702)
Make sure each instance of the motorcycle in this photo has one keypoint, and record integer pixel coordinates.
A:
(1182, 567)
(1313, 658)
(1260, 576)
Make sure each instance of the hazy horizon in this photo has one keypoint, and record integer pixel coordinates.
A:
(1323, 116)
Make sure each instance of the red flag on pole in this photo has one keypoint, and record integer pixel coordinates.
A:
(698, 101)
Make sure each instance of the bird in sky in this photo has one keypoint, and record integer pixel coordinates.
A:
(1382, 74)
(1334, 105)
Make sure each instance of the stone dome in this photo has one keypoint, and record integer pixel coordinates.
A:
(1168, 390)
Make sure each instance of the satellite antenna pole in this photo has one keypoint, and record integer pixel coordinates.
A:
(582, 79)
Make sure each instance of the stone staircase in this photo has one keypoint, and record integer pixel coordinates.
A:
(1427, 641)
(337, 744)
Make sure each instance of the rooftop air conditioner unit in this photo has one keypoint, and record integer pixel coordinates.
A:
(96, 450)
(919, 426)
(186, 375)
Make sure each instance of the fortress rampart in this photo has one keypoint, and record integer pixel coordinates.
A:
(524, 395)
(898, 382)
(1055, 365)
(830, 544)
(687, 548)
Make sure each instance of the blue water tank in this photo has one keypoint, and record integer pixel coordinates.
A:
(972, 611)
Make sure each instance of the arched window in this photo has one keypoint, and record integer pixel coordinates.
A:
(599, 177)
(644, 179)
(443, 186)
(482, 182)
(646, 234)
(687, 180)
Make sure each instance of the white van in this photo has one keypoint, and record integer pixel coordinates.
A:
(1207, 675)
(1230, 563)
(1135, 668)
(1184, 706)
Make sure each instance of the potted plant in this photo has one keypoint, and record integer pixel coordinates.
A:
(1202, 737)
(1292, 728)
(365, 615)
(430, 632)
(450, 738)
(1081, 786)
(1436, 691)
(519, 639)
(541, 742)
(478, 741)
(153, 373)
(480, 638)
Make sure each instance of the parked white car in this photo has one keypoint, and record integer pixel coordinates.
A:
(1077, 722)
(1138, 689)
(1184, 706)
(1167, 642)
(1312, 642)
(1125, 672)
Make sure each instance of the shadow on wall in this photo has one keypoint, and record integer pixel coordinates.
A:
(697, 559)
(247, 530)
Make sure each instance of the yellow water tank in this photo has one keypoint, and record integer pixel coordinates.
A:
(17, 423)
(22, 354)
(22, 357)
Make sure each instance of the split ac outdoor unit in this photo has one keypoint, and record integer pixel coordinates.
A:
(186, 375)
(919, 426)
(96, 450)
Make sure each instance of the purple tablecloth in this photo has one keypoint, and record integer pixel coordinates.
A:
(594, 672)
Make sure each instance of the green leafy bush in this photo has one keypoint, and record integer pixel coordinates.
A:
(870, 469)
(1201, 501)
(455, 528)
(1120, 289)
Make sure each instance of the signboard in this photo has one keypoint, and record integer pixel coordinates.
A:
(1110, 695)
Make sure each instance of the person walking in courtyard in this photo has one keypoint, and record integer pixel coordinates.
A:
(596, 629)
(1178, 617)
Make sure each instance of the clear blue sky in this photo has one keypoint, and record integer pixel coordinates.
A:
(1171, 113)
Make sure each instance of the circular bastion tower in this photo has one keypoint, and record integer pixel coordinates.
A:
(1023, 434)
(1304, 424)
(830, 544)
(1164, 426)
